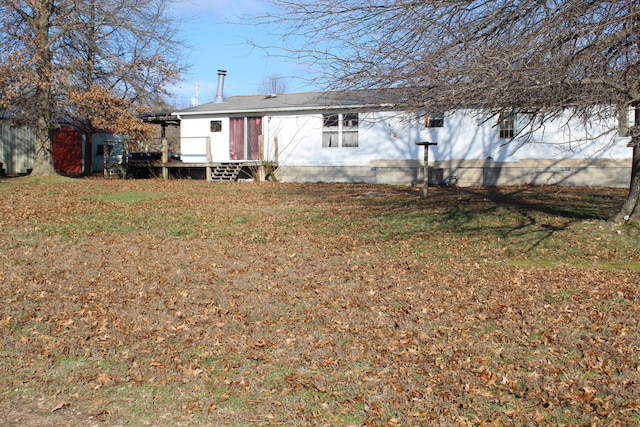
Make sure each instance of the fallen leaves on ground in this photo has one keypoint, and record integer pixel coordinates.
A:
(310, 305)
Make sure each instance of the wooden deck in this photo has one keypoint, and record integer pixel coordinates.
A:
(211, 171)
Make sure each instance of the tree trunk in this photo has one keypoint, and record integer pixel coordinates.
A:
(43, 164)
(88, 150)
(630, 211)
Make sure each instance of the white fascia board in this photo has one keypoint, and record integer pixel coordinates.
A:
(282, 110)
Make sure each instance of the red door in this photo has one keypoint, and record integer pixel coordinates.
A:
(67, 151)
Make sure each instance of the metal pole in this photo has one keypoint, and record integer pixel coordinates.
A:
(425, 188)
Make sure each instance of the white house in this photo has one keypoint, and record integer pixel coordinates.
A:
(347, 137)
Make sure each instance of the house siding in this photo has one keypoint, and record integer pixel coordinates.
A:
(564, 151)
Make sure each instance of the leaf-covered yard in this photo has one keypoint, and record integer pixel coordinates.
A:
(192, 303)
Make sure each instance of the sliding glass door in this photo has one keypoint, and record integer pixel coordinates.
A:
(244, 138)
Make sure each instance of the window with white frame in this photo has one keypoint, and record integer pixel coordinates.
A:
(330, 130)
(340, 130)
(506, 125)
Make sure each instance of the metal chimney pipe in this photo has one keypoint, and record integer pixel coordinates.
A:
(221, 74)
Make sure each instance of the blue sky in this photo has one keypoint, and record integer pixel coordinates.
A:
(218, 41)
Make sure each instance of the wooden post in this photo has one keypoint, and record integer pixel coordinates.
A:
(261, 170)
(261, 148)
(165, 159)
(276, 149)
(106, 152)
(426, 165)
(208, 168)
(124, 167)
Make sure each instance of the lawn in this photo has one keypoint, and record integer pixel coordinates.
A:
(150, 302)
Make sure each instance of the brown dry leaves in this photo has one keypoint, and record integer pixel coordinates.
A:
(291, 304)
(104, 110)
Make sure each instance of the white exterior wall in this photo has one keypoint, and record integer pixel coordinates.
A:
(468, 145)
(388, 136)
(300, 142)
(194, 134)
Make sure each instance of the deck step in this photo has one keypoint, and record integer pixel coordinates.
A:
(225, 171)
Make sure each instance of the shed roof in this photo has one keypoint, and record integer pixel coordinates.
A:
(291, 102)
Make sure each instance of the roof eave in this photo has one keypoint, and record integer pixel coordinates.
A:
(284, 110)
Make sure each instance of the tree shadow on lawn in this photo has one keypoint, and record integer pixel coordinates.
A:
(528, 215)
(574, 203)
(524, 215)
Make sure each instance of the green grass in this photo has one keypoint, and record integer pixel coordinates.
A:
(127, 197)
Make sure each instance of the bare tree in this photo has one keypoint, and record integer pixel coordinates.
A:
(545, 57)
(95, 64)
(273, 84)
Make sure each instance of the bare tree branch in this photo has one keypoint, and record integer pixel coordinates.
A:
(86, 62)
(495, 55)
